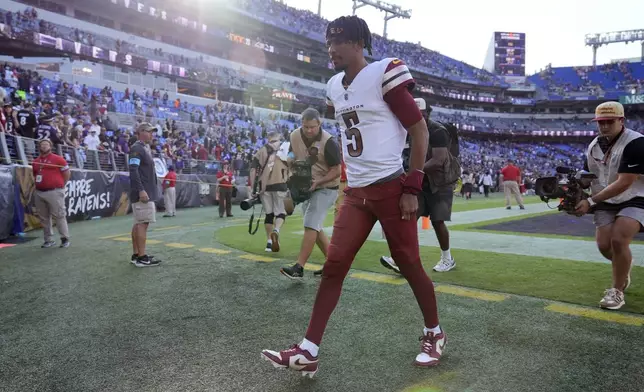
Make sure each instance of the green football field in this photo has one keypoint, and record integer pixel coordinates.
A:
(85, 319)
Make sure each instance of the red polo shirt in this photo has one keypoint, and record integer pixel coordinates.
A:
(511, 173)
(220, 174)
(170, 180)
(48, 172)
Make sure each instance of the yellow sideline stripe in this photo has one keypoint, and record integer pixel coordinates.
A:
(109, 237)
(202, 224)
(167, 228)
(380, 278)
(253, 257)
(128, 239)
(214, 250)
(470, 293)
(312, 267)
(178, 245)
(604, 315)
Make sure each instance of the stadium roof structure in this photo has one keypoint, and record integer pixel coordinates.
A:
(601, 39)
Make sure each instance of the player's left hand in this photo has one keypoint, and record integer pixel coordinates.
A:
(582, 208)
(408, 206)
(313, 187)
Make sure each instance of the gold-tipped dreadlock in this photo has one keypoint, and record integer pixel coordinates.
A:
(350, 28)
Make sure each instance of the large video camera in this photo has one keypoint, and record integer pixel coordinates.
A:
(300, 181)
(570, 189)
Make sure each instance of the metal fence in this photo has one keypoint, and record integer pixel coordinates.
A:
(20, 150)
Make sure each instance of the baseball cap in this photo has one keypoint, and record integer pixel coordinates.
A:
(609, 111)
(420, 102)
(145, 127)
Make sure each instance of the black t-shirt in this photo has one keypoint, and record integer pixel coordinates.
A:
(143, 176)
(632, 162)
(46, 131)
(332, 153)
(633, 157)
(438, 138)
(27, 122)
(10, 126)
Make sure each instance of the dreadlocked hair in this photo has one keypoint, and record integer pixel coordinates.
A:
(352, 28)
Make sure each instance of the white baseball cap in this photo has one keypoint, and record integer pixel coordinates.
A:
(420, 102)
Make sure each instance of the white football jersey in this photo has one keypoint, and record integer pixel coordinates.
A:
(374, 138)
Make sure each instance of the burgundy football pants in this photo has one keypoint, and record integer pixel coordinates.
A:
(361, 208)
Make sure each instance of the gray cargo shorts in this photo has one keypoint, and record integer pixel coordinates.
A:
(605, 217)
(316, 208)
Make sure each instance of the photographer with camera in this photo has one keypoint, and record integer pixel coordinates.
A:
(268, 176)
(616, 157)
(313, 153)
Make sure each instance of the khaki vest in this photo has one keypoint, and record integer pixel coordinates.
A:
(275, 172)
(301, 152)
(606, 172)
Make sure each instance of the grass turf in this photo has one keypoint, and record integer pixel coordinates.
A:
(85, 319)
(555, 279)
(496, 200)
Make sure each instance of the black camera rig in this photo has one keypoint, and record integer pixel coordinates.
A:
(569, 189)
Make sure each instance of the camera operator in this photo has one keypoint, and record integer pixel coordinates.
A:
(319, 149)
(616, 157)
(435, 201)
(271, 172)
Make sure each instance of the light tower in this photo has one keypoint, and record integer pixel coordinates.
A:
(391, 11)
(601, 39)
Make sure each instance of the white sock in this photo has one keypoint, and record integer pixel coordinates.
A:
(270, 241)
(445, 254)
(311, 347)
(435, 330)
(276, 230)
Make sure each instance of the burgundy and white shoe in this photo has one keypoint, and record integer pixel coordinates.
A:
(431, 349)
(294, 358)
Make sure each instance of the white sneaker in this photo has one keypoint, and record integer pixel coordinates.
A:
(613, 299)
(445, 265)
(389, 263)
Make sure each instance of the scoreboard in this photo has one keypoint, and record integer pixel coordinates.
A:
(509, 54)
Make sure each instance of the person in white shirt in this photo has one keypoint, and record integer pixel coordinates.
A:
(487, 182)
(92, 141)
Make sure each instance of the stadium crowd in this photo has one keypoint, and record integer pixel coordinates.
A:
(85, 120)
(561, 81)
(88, 118)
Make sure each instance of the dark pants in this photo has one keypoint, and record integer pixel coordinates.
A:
(486, 190)
(225, 200)
(360, 210)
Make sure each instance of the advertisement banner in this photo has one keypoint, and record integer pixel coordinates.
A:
(87, 195)
(112, 56)
(92, 194)
(632, 99)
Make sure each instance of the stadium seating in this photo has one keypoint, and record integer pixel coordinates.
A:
(235, 131)
(306, 23)
(607, 81)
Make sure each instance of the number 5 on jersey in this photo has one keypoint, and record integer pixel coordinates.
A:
(353, 134)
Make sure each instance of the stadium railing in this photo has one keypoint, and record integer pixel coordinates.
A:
(20, 150)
